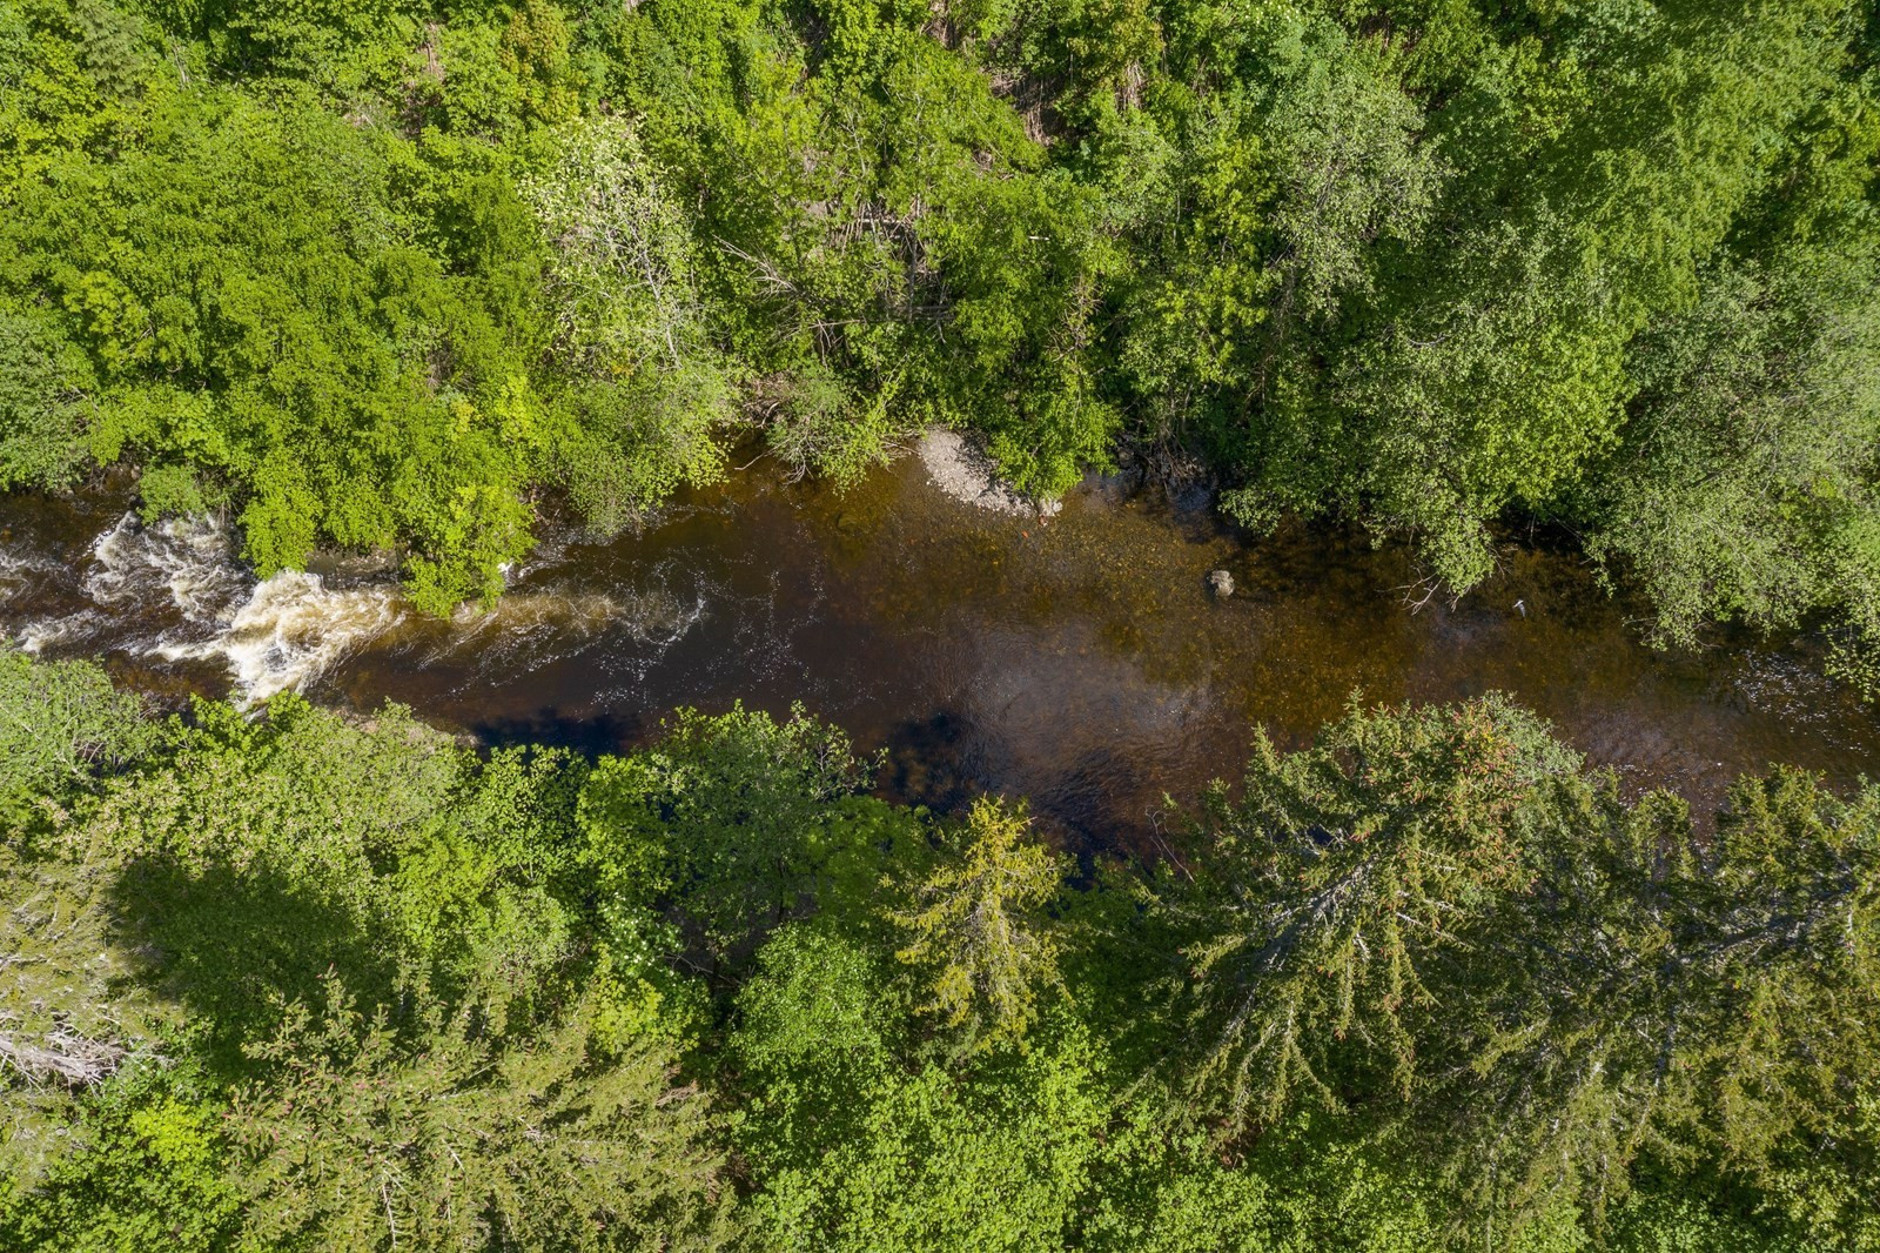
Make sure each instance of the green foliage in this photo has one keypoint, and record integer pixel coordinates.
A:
(862, 1151)
(377, 275)
(59, 725)
(816, 424)
(263, 855)
(291, 981)
(275, 327)
(623, 270)
(977, 929)
(732, 826)
(364, 1141)
(150, 1176)
(1747, 488)
(72, 1013)
(1434, 921)
(45, 384)
(1344, 875)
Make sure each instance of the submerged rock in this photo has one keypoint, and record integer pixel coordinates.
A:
(1221, 583)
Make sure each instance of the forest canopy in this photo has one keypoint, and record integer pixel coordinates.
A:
(390, 275)
(411, 277)
(305, 981)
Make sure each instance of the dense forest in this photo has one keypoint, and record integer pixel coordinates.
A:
(384, 274)
(408, 277)
(302, 982)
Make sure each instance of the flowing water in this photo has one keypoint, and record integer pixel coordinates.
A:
(1078, 660)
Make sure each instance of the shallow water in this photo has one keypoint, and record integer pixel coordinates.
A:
(1078, 661)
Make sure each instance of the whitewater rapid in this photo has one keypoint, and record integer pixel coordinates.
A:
(177, 591)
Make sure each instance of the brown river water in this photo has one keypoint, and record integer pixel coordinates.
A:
(1079, 661)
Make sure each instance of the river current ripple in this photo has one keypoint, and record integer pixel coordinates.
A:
(1077, 660)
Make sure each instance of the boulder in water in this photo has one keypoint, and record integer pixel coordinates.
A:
(1221, 583)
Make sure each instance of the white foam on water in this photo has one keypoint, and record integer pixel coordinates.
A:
(529, 629)
(286, 631)
(272, 635)
(188, 561)
(180, 567)
(292, 629)
(529, 611)
(658, 617)
(37, 636)
(19, 570)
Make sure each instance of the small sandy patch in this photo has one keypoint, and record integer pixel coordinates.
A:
(967, 475)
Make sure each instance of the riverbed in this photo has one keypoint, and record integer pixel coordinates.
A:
(1078, 660)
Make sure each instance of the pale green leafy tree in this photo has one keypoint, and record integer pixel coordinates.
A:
(623, 267)
(1348, 170)
(59, 725)
(1746, 485)
(649, 389)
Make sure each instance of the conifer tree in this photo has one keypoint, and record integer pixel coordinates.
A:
(979, 930)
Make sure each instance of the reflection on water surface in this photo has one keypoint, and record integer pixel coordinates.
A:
(1079, 661)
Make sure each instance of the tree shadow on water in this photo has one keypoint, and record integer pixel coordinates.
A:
(1101, 801)
(934, 761)
(589, 734)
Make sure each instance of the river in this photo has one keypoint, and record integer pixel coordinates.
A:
(1079, 661)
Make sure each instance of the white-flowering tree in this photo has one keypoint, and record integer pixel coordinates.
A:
(623, 265)
(651, 392)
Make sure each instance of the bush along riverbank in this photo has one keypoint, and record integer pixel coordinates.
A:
(300, 981)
